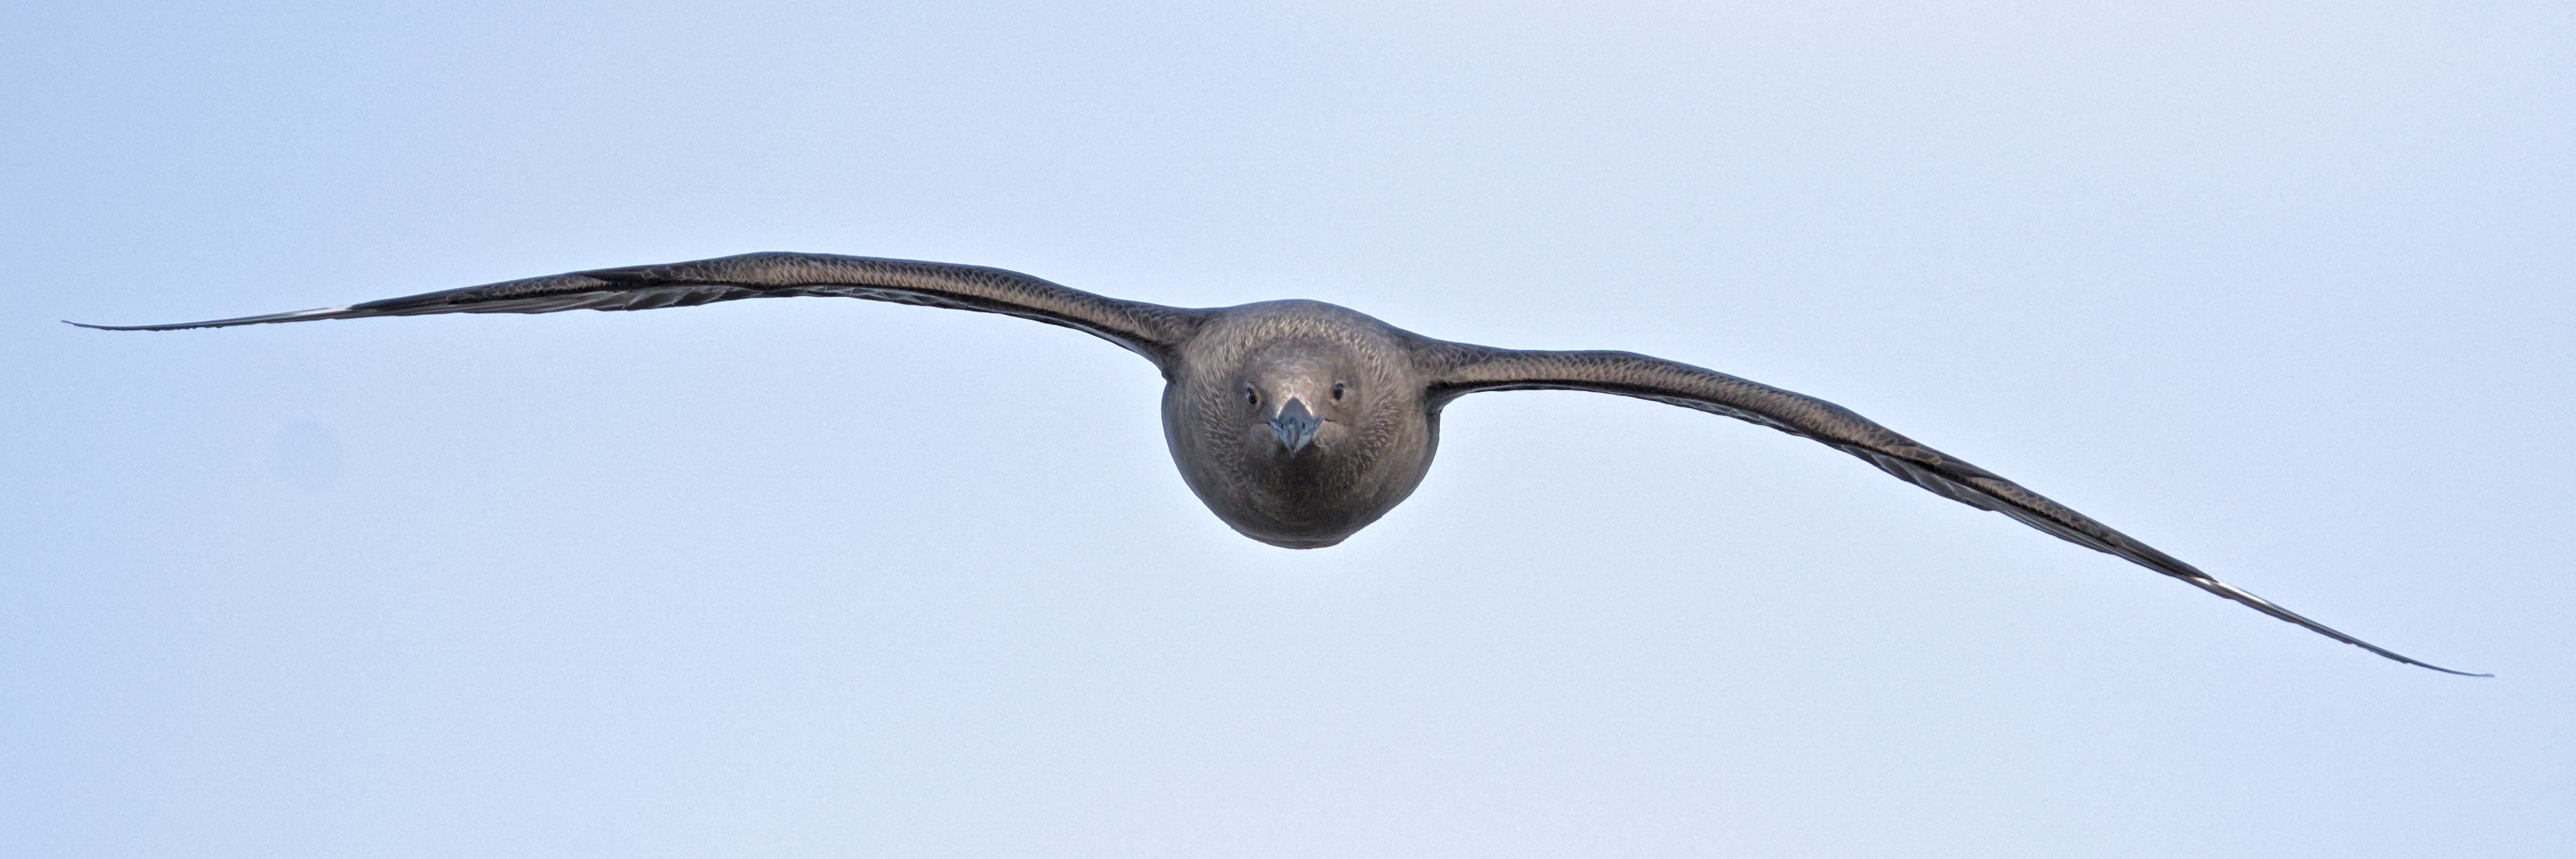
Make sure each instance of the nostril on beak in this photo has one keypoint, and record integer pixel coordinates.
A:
(1295, 425)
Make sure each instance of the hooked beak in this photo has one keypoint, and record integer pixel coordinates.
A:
(1295, 425)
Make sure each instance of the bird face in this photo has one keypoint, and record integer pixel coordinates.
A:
(1297, 410)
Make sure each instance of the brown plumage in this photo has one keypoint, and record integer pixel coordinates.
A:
(1297, 422)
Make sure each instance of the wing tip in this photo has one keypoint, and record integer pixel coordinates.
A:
(2420, 664)
(290, 316)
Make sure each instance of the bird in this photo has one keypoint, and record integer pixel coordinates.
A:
(1296, 422)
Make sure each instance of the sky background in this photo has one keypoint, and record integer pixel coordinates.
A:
(2281, 288)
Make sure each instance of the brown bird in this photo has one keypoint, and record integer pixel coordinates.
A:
(1297, 422)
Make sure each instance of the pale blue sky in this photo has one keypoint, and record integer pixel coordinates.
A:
(2283, 289)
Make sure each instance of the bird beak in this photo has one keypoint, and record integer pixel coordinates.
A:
(1295, 425)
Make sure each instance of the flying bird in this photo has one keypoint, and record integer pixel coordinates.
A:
(1297, 422)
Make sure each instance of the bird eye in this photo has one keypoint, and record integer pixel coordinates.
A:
(1337, 390)
(1251, 396)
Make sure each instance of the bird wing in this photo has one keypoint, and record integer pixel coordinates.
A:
(1462, 369)
(1151, 330)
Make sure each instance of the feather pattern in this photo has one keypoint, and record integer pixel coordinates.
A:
(1151, 330)
(1463, 369)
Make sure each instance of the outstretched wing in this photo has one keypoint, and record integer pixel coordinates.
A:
(1465, 369)
(1151, 330)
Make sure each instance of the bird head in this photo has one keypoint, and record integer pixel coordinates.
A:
(1298, 422)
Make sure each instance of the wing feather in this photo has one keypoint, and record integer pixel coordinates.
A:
(1462, 369)
(1151, 330)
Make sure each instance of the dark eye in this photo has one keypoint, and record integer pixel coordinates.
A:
(1337, 390)
(1251, 396)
